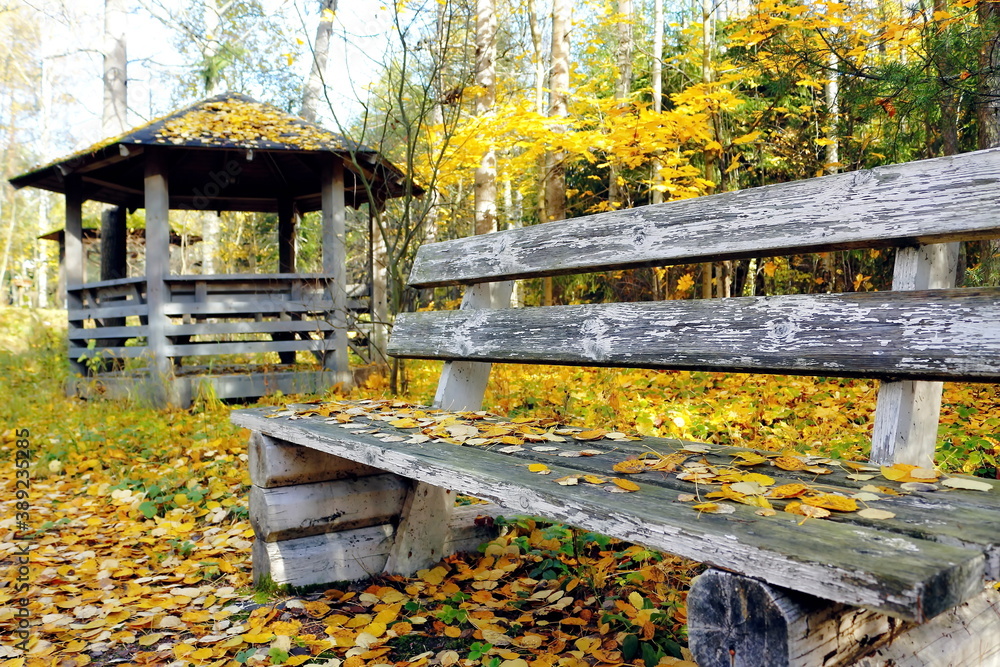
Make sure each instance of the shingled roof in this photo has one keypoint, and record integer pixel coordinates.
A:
(227, 152)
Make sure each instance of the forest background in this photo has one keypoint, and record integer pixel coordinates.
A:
(632, 102)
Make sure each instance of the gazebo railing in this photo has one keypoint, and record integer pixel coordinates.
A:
(99, 325)
(212, 315)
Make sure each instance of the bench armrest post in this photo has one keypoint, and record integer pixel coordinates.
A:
(907, 412)
(463, 383)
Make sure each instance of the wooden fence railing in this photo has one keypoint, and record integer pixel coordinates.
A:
(213, 315)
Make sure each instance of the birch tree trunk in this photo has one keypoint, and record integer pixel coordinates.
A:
(657, 77)
(555, 167)
(314, 92)
(536, 43)
(114, 122)
(210, 222)
(41, 261)
(707, 43)
(832, 91)
(486, 172)
(623, 86)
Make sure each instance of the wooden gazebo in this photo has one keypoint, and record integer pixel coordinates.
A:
(226, 153)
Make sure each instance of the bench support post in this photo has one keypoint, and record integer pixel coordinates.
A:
(736, 621)
(423, 527)
(907, 413)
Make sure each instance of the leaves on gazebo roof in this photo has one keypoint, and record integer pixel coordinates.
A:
(229, 120)
(237, 120)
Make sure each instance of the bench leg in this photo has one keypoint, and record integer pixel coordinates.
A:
(736, 621)
(423, 529)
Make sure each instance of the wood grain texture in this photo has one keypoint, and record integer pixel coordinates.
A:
(462, 384)
(908, 411)
(356, 554)
(735, 620)
(287, 512)
(422, 534)
(967, 636)
(900, 575)
(274, 463)
(945, 199)
(935, 334)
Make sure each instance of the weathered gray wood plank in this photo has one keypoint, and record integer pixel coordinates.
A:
(237, 307)
(907, 411)
(355, 554)
(288, 512)
(901, 576)
(223, 328)
(108, 332)
(274, 463)
(936, 334)
(117, 282)
(733, 620)
(103, 312)
(245, 347)
(930, 201)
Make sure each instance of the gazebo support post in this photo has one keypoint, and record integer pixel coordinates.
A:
(114, 252)
(73, 265)
(286, 235)
(157, 201)
(286, 261)
(335, 264)
(379, 284)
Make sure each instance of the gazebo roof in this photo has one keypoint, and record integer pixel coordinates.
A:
(225, 153)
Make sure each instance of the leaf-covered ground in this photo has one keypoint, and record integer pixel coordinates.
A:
(137, 540)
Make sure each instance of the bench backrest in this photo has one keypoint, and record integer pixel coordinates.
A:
(927, 334)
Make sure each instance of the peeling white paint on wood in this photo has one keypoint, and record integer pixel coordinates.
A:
(274, 463)
(935, 334)
(324, 507)
(907, 412)
(356, 554)
(930, 201)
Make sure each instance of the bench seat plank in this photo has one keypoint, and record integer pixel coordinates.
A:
(930, 335)
(929, 201)
(892, 572)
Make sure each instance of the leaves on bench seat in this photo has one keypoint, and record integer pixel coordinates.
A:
(733, 480)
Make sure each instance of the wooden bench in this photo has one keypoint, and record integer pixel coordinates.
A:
(344, 490)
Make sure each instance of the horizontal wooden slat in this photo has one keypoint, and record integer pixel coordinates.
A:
(235, 307)
(245, 347)
(118, 282)
(108, 332)
(945, 199)
(936, 335)
(117, 352)
(99, 313)
(357, 554)
(222, 328)
(895, 573)
(326, 507)
(250, 278)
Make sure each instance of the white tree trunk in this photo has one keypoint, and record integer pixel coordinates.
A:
(555, 168)
(113, 119)
(314, 92)
(833, 110)
(657, 76)
(622, 87)
(486, 172)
